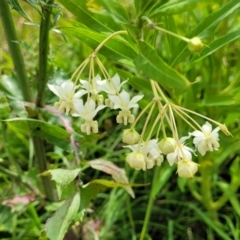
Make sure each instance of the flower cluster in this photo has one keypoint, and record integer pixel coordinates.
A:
(70, 101)
(153, 144)
(152, 151)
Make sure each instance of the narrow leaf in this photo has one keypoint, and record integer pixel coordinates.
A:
(94, 21)
(56, 226)
(155, 68)
(15, 5)
(215, 45)
(204, 29)
(116, 48)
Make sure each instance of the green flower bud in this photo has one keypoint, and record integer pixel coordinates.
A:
(187, 168)
(130, 136)
(136, 160)
(195, 44)
(167, 145)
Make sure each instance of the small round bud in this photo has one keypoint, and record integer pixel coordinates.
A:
(187, 168)
(130, 136)
(195, 44)
(136, 160)
(167, 145)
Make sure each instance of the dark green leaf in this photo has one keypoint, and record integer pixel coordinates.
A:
(155, 68)
(97, 22)
(215, 45)
(15, 5)
(116, 11)
(117, 48)
(177, 6)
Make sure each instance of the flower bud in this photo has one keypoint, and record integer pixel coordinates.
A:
(187, 168)
(167, 145)
(130, 136)
(150, 163)
(136, 160)
(195, 44)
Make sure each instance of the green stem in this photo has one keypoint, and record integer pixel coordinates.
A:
(18, 62)
(42, 167)
(150, 204)
(43, 51)
(14, 49)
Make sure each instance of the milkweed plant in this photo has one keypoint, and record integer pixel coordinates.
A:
(147, 100)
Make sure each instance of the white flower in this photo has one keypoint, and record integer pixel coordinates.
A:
(124, 102)
(112, 86)
(67, 95)
(181, 152)
(206, 140)
(94, 87)
(152, 154)
(187, 168)
(87, 111)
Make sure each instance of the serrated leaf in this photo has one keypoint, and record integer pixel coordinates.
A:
(118, 174)
(62, 177)
(15, 5)
(56, 226)
(155, 68)
(204, 29)
(116, 49)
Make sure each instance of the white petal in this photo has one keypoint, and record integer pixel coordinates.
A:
(52, 88)
(68, 86)
(172, 158)
(79, 94)
(125, 97)
(135, 99)
(207, 127)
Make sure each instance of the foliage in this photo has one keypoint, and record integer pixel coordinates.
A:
(60, 182)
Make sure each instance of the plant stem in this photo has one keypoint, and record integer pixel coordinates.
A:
(14, 49)
(18, 62)
(43, 51)
(150, 204)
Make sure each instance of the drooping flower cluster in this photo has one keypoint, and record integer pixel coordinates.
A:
(151, 146)
(146, 154)
(70, 101)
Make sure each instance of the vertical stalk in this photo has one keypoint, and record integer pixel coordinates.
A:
(18, 62)
(14, 49)
(150, 204)
(43, 51)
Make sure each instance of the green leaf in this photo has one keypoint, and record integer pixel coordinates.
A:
(15, 5)
(204, 29)
(116, 11)
(62, 177)
(155, 68)
(56, 226)
(215, 45)
(97, 22)
(118, 174)
(51, 133)
(35, 6)
(116, 49)
(177, 6)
